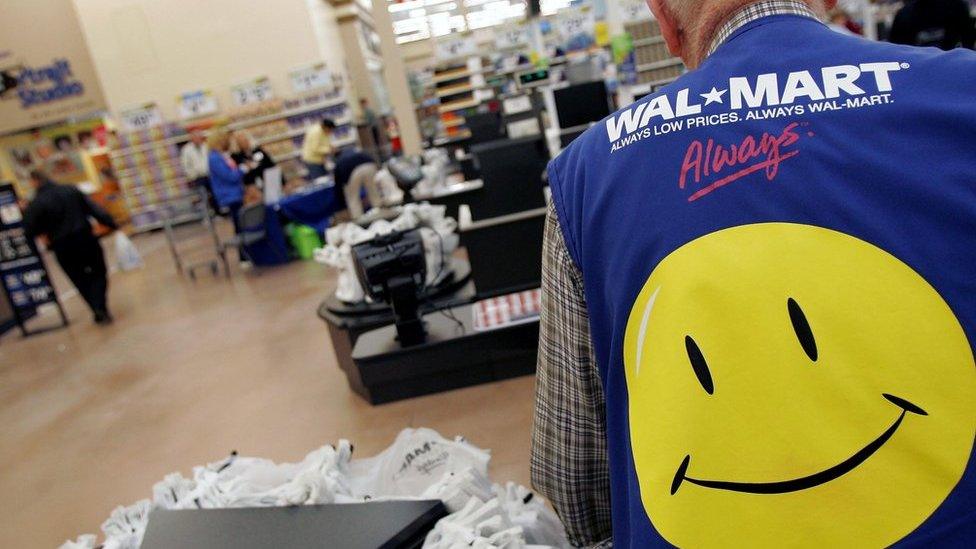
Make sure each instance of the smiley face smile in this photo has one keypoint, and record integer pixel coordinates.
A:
(754, 357)
(816, 479)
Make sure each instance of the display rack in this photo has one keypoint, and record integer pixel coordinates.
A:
(279, 126)
(148, 166)
(458, 87)
(655, 66)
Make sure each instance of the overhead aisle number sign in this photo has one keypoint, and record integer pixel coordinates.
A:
(513, 36)
(252, 91)
(142, 117)
(575, 22)
(452, 48)
(195, 104)
(633, 10)
(312, 77)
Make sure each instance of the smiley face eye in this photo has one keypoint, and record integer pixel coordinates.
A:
(699, 365)
(802, 328)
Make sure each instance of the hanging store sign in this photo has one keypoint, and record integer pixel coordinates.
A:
(577, 27)
(46, 73)
(309, 78)
(252, 91)
(196, 104)
(631, 11)
(452, 48)
(23, 275)
(518, 35)
(39, 85)
(141, 118)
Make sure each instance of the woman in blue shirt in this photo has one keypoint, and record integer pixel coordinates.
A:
(226, 178)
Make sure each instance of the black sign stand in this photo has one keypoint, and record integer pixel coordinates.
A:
(23, 273)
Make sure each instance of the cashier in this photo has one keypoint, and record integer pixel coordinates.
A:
(355, 171)
(317, 147)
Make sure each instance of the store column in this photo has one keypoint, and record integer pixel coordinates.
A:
(397, 85)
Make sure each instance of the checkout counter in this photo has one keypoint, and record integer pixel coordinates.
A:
(504, 251)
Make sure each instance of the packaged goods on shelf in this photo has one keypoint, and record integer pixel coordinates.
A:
(147, 161)
(660, 76)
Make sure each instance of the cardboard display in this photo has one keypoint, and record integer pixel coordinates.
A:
(23, 274)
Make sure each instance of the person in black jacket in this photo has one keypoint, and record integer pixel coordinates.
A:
(251, 159)
(945, 24)
(60, 214)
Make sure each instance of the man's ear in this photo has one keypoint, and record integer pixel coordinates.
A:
(669, 25)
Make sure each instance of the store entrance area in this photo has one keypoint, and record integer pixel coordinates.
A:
(92, 416)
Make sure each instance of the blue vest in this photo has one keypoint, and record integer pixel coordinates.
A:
(779, 260)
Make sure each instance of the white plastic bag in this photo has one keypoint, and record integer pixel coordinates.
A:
(126, 525)
(87, 541)
(539, 523)
(257, 482)
(417, 460)
(126, 254)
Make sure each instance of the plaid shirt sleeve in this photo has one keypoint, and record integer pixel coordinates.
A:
(569, 451)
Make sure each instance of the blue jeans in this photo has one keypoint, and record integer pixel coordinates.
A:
(315, 171)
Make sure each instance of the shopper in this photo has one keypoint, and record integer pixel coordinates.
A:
(354, 172)
(226, 178)
(252, 160)
(194, 160)
(757, 292)
(59, 214)
(370, 121)
(944, 24)
(317, 147)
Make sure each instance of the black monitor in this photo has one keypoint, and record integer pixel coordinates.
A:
(511, 170)
(506, 252)
(568, 137)
(581, 104)
(484, 127)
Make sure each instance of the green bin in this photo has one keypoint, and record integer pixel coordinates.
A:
(304, 239)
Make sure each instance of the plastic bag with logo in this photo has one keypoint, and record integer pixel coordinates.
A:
(417, 460)
(126, 254)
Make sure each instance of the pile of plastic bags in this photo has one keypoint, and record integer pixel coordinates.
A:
(420, 464)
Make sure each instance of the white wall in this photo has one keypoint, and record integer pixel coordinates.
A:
(35, 34)
(154, 50)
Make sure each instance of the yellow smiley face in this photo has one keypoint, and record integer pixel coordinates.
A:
(791, 385)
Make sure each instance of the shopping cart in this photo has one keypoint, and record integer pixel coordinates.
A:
(191, 231)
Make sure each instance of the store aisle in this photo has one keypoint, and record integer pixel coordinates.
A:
(91, 417)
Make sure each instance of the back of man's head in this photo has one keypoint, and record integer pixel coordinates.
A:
(38, 178)
(328, 124)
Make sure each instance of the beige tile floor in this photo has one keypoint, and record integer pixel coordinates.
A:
(91, 417)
